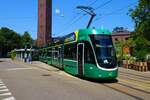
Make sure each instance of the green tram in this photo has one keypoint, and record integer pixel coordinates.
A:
(85, 53)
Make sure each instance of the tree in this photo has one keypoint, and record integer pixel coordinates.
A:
(9, 40)
(26, 38)
(120, 45)
(141, 17)
(2, 41)
(141, 48)
(141, 36)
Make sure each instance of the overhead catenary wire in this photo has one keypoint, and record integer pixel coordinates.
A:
(93, 2)
(73, 22)
(80, 17)
(118, 10)
(115, 11)
(104, 4)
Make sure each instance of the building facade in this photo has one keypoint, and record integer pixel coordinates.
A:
(121, 34)
(44, 22)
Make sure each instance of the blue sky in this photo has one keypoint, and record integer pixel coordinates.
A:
(21, 15)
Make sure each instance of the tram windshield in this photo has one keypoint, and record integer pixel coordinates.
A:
(104, 50)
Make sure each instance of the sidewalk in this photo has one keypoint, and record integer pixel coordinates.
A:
(44, 66)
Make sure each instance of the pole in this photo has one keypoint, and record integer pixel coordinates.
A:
(89, 11)
(92, 16)
(25, 54)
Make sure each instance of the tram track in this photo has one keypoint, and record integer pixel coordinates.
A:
(133, 85)
(135, 79)
(147, 92)
(145, 77)
(136, 93)
(123, 91)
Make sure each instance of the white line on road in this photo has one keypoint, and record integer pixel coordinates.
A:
(9, 98)
(4, 90)
(1, 84)
(6, 94)
(2, 87)
(14, 69)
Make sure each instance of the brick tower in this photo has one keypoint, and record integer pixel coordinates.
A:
(44, 22)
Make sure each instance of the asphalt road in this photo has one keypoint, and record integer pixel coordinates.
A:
(19, 81)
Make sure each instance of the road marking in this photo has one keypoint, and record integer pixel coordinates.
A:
(14, 69)
(1, 87)
(9, 98)
(4, 90)
(1, 84)
(6, 94)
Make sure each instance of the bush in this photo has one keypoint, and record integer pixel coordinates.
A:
(13, 55)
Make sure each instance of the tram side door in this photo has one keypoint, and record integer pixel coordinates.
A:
(80, 58)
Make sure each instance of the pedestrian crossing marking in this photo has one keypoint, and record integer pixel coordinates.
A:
(4, 92)
(9, 98)
(1, 84)
(1, 87)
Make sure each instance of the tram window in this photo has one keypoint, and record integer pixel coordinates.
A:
(89, 55)
(74, 51)
(70, 51)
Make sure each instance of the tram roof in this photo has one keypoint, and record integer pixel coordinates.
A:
(94, 31)
(80, 32)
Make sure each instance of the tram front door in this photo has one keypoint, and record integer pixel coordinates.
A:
(80, 58)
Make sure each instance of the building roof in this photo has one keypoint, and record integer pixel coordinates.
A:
(121, 33)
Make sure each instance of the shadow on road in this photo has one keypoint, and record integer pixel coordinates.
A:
(46, 74)
(1, 61)
(101, 80)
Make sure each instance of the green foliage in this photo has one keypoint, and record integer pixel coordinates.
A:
(10, 40)
(2, 39)
(119, 48)
(13, 55)
(141, 48)
(27, 38)
(141, 36)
